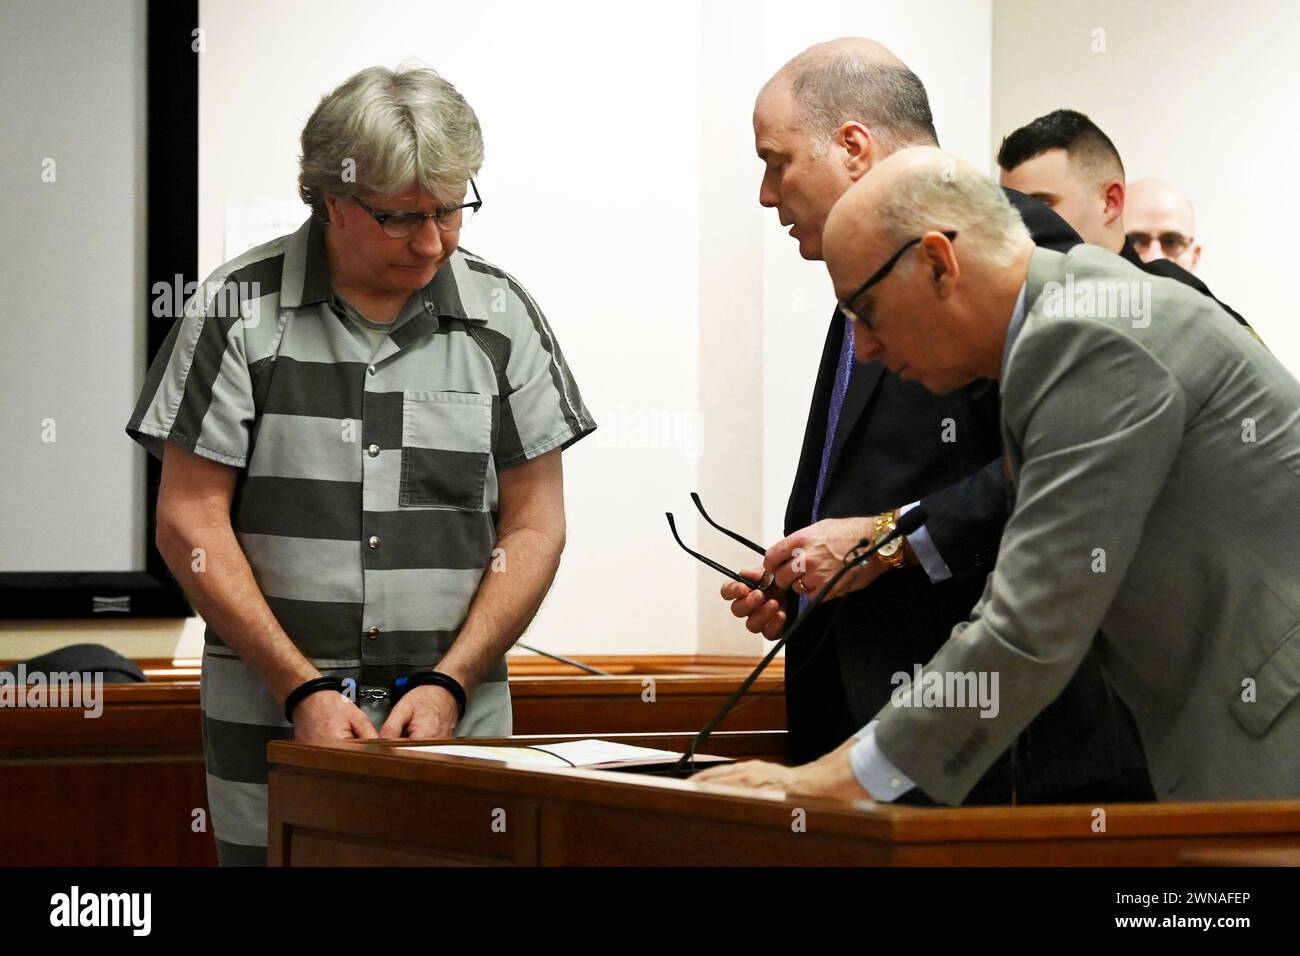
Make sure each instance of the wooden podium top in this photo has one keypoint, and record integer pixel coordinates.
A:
(378, 802)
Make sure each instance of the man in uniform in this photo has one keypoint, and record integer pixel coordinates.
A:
(1066, 161)
(360, 426)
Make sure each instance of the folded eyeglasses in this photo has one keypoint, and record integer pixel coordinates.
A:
(768, 577)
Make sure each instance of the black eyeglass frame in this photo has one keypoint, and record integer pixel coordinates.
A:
(768, 577)
(845, 305)
(383, 217)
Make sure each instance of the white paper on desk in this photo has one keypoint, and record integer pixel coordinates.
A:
(584, 753)
(574, 753)
(523, 755)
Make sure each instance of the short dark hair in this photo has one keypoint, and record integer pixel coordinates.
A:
(1071, 131)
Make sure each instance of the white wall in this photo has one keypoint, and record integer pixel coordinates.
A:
(1200, 93)
(731, 342)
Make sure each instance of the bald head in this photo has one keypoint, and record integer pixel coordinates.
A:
(915, 191)
(1158, 194)
(864, 50)
(946, 255)
(857, 80)
(1160, 220)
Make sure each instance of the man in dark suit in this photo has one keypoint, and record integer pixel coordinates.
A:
(1064, 160)
(876, 443)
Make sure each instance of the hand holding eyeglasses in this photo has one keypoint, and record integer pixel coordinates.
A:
(750, 582)
(763, 611)
(803, 562)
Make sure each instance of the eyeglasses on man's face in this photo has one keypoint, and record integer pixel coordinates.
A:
(1172, 243)
(399, 225)
(846, 306)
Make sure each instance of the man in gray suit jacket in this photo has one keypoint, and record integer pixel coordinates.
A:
(1155, 455)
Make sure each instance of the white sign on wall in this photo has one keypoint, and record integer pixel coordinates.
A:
(250, 224)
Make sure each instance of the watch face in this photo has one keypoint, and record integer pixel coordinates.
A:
(891, 549)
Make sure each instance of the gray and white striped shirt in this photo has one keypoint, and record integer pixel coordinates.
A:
(368, 489)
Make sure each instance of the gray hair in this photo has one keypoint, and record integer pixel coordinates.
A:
(942, 196)
(383, 130)
(837, 88)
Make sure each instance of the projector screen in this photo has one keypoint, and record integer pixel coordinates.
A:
(100, 170)
(72, 284)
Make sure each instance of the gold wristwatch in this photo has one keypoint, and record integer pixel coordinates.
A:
(892, 555)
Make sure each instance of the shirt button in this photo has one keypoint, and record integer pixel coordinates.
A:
(372, 451)
(370, 370)
(893, 781)
(374, 541)
(372, 633)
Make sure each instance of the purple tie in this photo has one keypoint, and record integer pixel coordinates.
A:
(838, 391)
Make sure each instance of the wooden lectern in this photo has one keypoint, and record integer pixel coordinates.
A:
(380, 803)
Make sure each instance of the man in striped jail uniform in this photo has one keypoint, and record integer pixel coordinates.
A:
(360, 426)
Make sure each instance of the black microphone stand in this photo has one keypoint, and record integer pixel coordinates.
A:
(905, 525)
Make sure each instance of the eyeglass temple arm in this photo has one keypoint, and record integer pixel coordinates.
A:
(730, 534)
(748, 582)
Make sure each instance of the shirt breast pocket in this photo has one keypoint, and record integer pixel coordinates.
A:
(446, 449)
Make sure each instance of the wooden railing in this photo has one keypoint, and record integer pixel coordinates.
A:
(126, 787)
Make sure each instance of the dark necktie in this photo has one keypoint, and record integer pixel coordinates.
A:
(838, 390)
